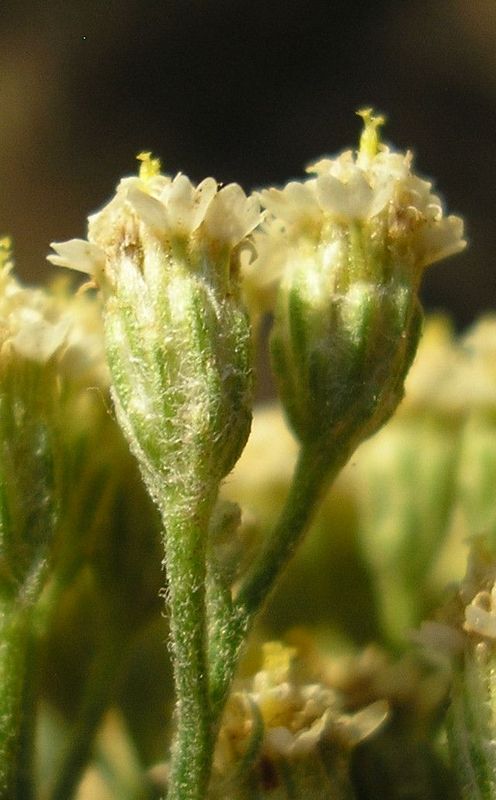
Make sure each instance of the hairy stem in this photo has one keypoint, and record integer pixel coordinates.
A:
(14, 637)
(25, 786)
(185, 545)
(313, 473)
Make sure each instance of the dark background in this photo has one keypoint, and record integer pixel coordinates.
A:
(245, 91)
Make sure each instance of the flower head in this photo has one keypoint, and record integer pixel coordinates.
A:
(341, 255)
(166, 255)
(51, 353)
(152, 207)
(374, 190)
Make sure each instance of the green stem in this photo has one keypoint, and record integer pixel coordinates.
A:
(470, 726)
(14, 637)
(25, 774)
(314, 471)
(185, 544)
(220, 616)
(106, 669)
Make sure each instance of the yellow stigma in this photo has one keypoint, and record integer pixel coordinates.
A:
(370, 139)
(149, 167)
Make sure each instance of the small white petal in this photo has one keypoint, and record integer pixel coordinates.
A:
(279, 741)
(295, 202)
(39, 340)
(321, 167)
(359, 726)
(308, 739)
(101, 224)
(231, 215)
(351, 200)
(204, 193)
(439, 238)
(78, 254)
(150, 210)
(178, 199)
(186, 206)
(340, 167)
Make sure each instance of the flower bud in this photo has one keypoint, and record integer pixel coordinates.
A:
(349, 247)
(165, 256)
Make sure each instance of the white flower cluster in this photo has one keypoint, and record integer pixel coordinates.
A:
(373, 191)
(40, 325)
(170, 209)
(372, 183)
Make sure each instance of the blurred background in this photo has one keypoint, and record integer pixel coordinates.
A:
(245, 90)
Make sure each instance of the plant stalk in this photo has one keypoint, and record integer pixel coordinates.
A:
(185, 548)
(14, 638)
(314, 472)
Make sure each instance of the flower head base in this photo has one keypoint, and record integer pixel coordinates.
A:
(347, 249)
(165, 254)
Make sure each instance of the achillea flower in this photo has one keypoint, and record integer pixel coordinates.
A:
(368, 205)
(344, 251)
(165, 212)
(165, 254)
(51, 353)
(468, 645)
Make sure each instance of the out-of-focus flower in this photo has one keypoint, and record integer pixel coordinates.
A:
(39, 325)
(478, 380)
(52, 378)
(277, 717)
(405, 479)
(477, 470)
